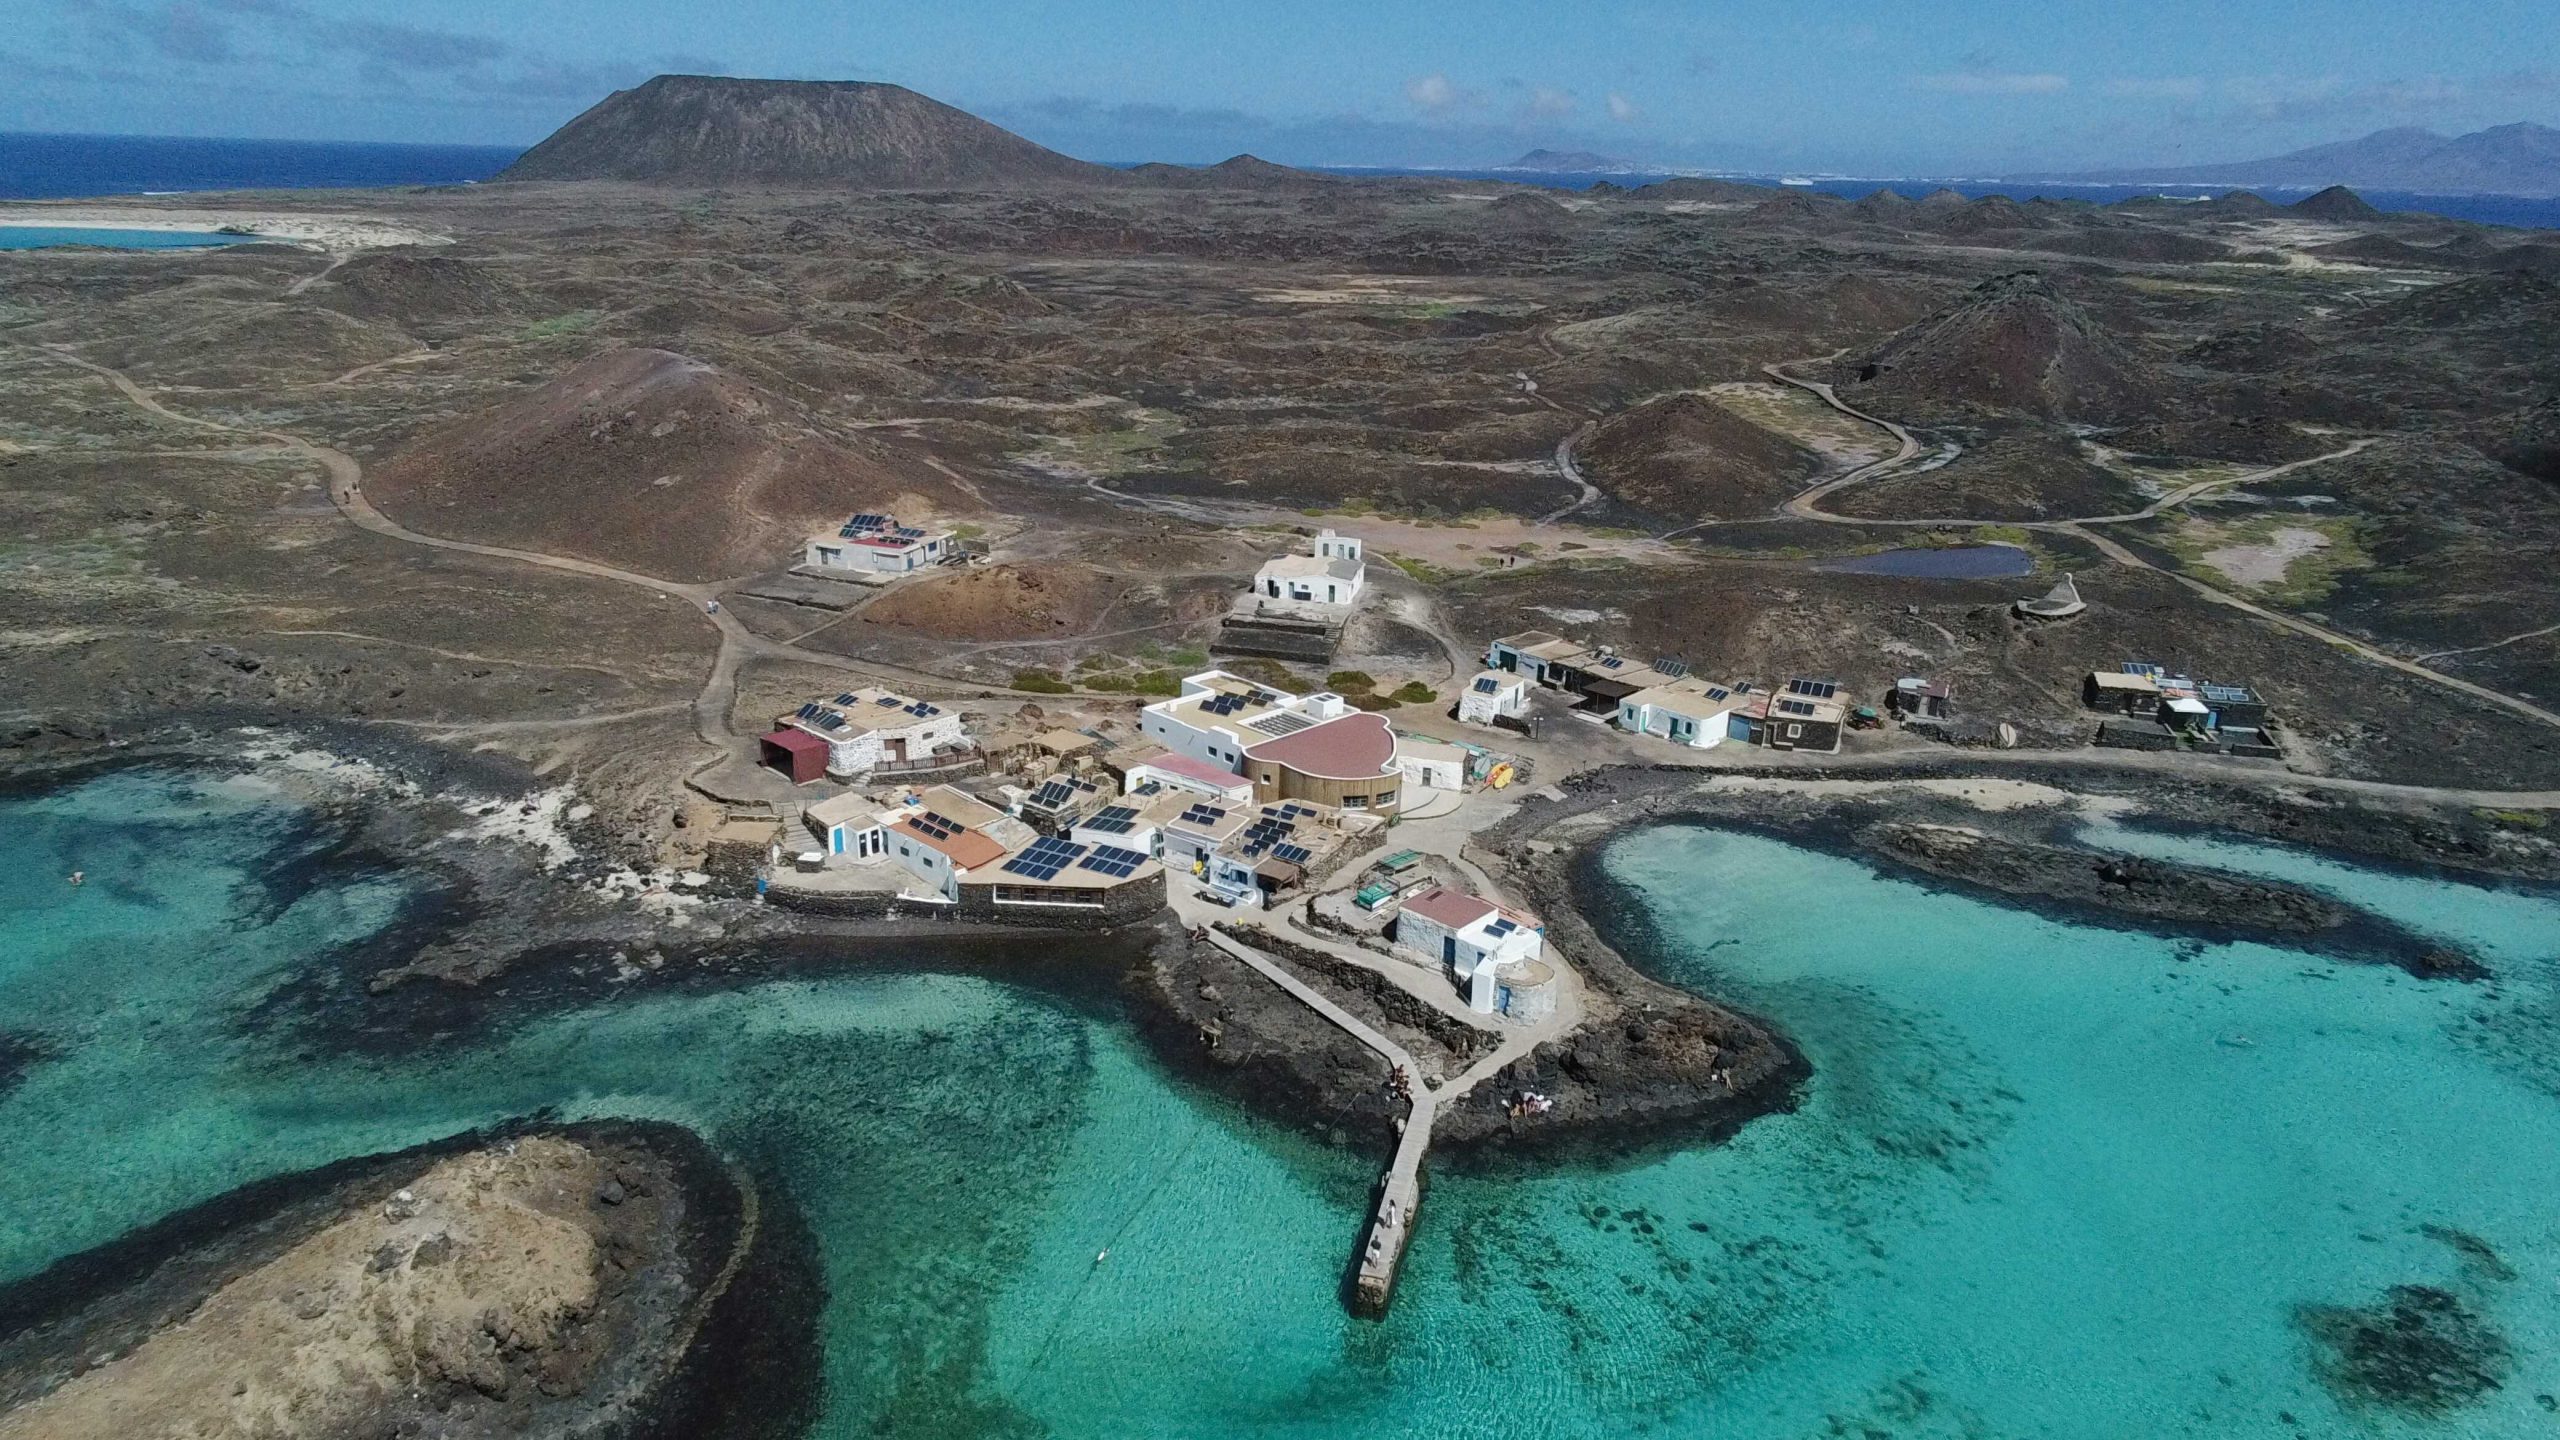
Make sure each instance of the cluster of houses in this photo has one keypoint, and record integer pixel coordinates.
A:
(2151, 708)
(1299, 602)
(875, 548)
(1661, 699)
(941, 845)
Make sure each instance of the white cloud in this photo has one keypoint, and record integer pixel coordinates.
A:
(1547, 103)
(1977, 82)
(1431, 92)
(1623, 110)
(2167, 87)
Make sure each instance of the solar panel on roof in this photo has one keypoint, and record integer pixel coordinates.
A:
(1486, 685)
(809, 709)
(1113, 861)
(1054, 794)
(1203, 815)
(1795, 707)
(938, 826)
(831, 721)
(1114, 820)
(1046, 857)
(1294, 854)
(1500, 928)
(1818, 689)
(1676, 669)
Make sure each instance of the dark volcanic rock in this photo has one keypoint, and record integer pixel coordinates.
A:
(1684, 457)
(2418, 1350)
(19, 1053)
(2141, 888)
(2335, 203)
(708, 130)
(2015, 343)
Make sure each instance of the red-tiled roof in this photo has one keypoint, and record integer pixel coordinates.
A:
(1454, 908)
(968, 849)
(1354, 747)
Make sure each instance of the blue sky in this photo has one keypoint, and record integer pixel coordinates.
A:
(1947, 87)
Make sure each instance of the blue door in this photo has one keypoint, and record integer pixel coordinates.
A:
(1448, 949)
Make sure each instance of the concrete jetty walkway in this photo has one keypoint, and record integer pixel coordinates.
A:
(1400, 1190)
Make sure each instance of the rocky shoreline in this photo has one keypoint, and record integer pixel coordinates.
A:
(653, 1291)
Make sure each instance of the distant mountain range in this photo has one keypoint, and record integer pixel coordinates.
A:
(1570, 162)
(2520, 159)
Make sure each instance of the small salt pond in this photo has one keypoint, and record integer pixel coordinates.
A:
(2048, 1180)
(1954, 562)
(46, 237)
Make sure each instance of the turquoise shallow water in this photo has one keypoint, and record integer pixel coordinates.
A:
(2039, 1187)
(40, 237)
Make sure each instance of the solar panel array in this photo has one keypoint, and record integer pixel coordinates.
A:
(1500, 927)
(1054, 794)
(1818, 689)
(1293, 853)
(1676, 669)
(1046, 857)
(1795, 707)
(1113, 820)
(1113, 861)
(1282, 722)
(864, 524)
(890, 702)
(1487, 685)
(940, 827)
(1203, 815)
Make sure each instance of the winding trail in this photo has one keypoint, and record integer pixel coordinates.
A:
(1805, 506)
(1573, 475)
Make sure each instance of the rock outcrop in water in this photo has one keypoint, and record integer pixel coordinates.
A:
(2418, 1350)
(571, 1281)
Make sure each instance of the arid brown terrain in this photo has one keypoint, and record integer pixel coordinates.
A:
(1601, 414)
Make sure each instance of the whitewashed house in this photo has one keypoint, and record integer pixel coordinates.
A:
(1169, 772)
(1431, 764)
(1219, 716)
(1493, 695)
(1691, 712)
(876, 545)
(867, 730)
(1474, 937)
(1334, 574)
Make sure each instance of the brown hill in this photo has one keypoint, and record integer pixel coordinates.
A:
(2527, 441)
(2014, 343)
(2133, 242)
(648, 460)
(2512, 304)
(1684, 457)
(1236, 172)
(707, 130)
(413, 288)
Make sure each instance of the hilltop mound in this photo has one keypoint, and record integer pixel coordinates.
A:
(1684, 457)
(411, 288)
(2527, 441)
(704, 130)
(1522, 212)
(2335, 203)
(1236, 172)
(644, 459)
(1989, 214)
(2015, 344)
(2137, 243)
(2513, 303)
(1693, 188)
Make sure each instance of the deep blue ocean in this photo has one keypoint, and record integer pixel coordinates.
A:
(59, 167)
(53, 167)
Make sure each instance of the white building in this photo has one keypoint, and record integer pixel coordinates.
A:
(1475, 938)
(1180, 773)
(851, 825)
(947, 834)
(1431, 764)
(1691, 712)
(1494, 694)
(865, 730)
(877, 545)
(1333, 574)
(1219, 716)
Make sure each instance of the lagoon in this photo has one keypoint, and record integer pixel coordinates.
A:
(2047, 1180)
(46, 237)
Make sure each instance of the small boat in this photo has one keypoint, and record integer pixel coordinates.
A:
(1103, 1255)
(2236, 1042)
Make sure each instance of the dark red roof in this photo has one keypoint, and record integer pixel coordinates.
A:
(798, 742)
(1358, 746)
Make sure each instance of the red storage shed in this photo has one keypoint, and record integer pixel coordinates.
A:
(796, 753)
